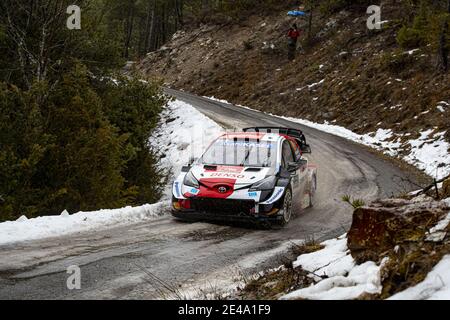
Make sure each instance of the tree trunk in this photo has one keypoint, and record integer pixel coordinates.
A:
(310, 20)
(129, 30)
(148, 25)
(443, 48)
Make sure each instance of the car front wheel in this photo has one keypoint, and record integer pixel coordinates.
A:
(286, 214)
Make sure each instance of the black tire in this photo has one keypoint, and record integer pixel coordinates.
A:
(286, 210)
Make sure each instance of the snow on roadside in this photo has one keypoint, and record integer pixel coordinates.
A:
(436, 285)
(183, 131)
(344, 279)
(24, 229)
(216, 99)
(429, 152)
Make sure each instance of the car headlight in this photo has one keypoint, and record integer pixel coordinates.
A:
(190, 181)
(266, 184)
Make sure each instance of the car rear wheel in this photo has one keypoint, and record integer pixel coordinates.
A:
(286, 214)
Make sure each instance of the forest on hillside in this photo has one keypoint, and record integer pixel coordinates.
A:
(148, 24)
(73, 131)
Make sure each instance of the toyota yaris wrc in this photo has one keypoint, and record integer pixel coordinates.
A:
(258, 174)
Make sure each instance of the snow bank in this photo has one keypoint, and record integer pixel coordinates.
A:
(429, 152)
(436, 285)
(318, 262)
(183, 132)
(216, 99)
(25, 229)
(338, 276)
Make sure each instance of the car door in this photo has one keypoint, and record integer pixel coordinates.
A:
(288, 157)
(302, 171)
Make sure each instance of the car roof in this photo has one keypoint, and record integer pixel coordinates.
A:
(262, 136)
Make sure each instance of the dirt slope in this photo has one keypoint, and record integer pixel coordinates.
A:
(349, 76)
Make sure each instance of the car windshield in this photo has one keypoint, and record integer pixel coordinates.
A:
(241, 152)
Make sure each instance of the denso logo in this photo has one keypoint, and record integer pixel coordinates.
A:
(227, 175)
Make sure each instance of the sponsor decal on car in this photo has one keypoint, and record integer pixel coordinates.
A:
(277, 194)
(228, 169)
(253, 194)
(247, 144)
(194, 191)
(227, 175)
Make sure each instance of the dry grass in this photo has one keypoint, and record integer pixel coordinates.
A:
(273, 284)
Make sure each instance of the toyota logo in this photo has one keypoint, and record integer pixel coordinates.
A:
(222, 189)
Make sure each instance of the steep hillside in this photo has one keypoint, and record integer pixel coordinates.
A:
(348, 75)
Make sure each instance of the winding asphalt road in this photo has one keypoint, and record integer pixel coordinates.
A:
(169, 259)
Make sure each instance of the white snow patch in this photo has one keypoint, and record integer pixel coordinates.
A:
(430, 153)
(24, 229)
(332, 261)
(436, 285)
(345, 279)
(187, 134)
(410, 52)
(438, 233)
(313, 85)
(425, 153)
(396, 106)
(214, 99)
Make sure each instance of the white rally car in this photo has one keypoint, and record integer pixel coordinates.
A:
(258, 174)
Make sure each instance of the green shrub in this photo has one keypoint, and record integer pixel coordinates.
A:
(80, 145)
(425, 28)
(397, 61)
(409, 38)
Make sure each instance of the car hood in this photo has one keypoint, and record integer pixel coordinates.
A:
(239, 176)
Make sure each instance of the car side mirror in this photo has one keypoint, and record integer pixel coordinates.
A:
(285, 174)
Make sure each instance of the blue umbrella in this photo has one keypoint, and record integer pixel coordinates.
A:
(296, 13)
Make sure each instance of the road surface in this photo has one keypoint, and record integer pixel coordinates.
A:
(169, 259)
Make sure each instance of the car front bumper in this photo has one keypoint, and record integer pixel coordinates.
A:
(224, 217)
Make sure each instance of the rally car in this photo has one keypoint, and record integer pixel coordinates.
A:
(259, 174)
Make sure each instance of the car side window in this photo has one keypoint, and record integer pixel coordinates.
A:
(287, 155)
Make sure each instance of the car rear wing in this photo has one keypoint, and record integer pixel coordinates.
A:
(293, 133)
